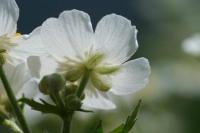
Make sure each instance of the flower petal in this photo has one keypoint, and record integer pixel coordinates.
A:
(48, 66)
(116, 37)
(34, 65)
(69, 35)
(28, 45)
(9, 13)
(17, 75)
(132, 76)
(29, 89)
(98, 100)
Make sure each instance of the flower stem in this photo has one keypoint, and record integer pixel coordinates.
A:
(67, 123)
(83, 83)
(13, 101)
(68, 118)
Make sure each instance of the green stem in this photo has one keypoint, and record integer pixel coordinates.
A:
(13, 101)
(67, 123)
(83, 83)
(68, 118)
(58, 100)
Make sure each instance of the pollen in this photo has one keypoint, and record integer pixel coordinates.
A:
(18, 34)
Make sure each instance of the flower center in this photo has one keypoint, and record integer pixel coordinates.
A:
(6, 42)
(74, 70)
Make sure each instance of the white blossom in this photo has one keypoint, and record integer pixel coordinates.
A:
(75, 47)
(20, 80)
(12, 44)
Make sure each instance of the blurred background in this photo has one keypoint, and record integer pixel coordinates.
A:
(171, 101)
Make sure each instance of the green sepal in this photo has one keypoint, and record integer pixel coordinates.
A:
(43, 107)
(130, 121)
(85, 111)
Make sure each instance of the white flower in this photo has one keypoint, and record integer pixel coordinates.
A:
(12, 44)
(191, 45)
(20, 80)
(74, 45)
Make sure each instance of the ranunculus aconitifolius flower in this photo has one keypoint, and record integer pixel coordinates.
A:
(12, 45)
(77, 48)
(20, 80)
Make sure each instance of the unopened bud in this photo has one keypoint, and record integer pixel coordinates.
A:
(71, 89)
(51, 84)
(73, 102)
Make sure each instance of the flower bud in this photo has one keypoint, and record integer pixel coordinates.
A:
(51, 84)
(73, 102)
(71, 89)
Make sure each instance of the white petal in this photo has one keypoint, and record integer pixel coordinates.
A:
(98, 100)
(9, 14)
(17, 75)
(29, 89)
(34, 65)
(69, 35)
(48, 66)
(133, 75)
(116, 37)
(28, 45)
(11, 59)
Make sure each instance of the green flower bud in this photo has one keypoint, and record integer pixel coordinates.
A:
(73, 102)
(82, 97)
(51, 84)
(68, 90)
(71, 89)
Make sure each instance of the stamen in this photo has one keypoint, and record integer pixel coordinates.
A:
(98, 83)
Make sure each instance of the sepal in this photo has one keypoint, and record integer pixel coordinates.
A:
(43, 107)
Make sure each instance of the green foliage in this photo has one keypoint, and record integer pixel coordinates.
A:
(124, 127)
(43, 107)
(130, 121)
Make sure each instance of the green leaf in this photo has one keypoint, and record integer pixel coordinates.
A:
(43, 107)
(130, 121)
(118, 129)
(99, 128)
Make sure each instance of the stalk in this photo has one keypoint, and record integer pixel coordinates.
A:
(13, 102)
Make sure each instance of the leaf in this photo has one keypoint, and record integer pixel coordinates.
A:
(43, 107)
(130, 121)
(99, 128)
(118, 129)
